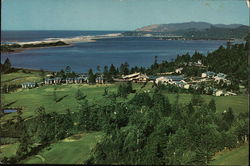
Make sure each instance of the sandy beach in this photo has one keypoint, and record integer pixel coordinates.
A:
(73, 39)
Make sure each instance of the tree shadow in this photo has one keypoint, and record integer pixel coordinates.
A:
(61, 98)
(9, 104)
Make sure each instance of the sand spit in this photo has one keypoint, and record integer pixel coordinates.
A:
(73, 39)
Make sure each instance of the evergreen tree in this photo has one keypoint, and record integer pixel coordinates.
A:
(79, 95)
(6, 66)
(212, 105)
(106, 74)
(112, 70)
(91, 77)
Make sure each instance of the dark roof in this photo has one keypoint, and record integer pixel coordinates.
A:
(153, 77)
(29, 83)
(210, 73)
(175, 78)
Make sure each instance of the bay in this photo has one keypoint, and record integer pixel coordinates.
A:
(137, 51)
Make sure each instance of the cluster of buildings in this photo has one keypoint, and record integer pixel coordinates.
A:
(179, 81)
(59, 80)
(216, 77)
(176, 80)
(173, 80)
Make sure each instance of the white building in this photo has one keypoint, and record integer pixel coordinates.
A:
(219, 93)
(28, 85)
(162, 80)
(179, 70)
(208, 74)
(136, 77)
(230, 94)
(220, 76)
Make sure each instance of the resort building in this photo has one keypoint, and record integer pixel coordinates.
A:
(49, 81)
(136, 77)
(170, 80)
(99, 80)
(220, 76)
(28, 85)
(80, 80)
(162, 80)
(69, 80)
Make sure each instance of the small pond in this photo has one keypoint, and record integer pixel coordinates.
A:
(9, 110)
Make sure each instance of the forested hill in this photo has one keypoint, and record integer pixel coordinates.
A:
(194, 30)
(173, 27)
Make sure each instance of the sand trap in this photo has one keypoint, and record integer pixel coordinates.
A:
(73, 138)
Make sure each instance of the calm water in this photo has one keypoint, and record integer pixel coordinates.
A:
(9, 111)
(82, 56)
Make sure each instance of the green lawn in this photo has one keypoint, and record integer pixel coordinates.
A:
(73, 150)
(238, 156)
(30, 99)
(238, 103)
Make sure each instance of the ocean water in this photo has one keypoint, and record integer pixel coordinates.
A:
(82, 56)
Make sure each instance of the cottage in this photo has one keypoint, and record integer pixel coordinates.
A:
(136, 77)
(80, 80)
(49, 81)
(220, 76)
(28, 85)
(99, 80)
(69, 80)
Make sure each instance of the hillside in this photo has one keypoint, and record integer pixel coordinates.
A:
(173, 27)
(192, 31)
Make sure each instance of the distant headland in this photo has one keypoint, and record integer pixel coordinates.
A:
(192, 31)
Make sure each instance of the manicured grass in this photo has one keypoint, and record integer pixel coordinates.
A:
(73, 150)
(30, 99)
(8, 150)
(238, 156)
(237, 103)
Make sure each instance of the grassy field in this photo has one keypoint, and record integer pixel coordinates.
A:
(8, 150)
(30, 99)
(20, 77)
(238, 156)
(72, 150)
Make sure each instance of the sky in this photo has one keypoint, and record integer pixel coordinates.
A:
(117, 14)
